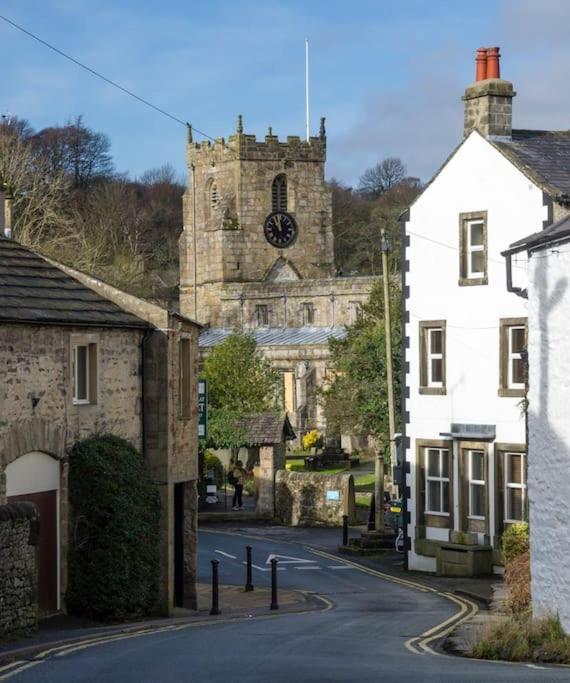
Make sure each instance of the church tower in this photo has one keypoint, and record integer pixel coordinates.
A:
(255, 213)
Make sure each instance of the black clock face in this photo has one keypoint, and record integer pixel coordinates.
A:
(280, 229)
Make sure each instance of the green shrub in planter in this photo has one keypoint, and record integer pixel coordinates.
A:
(214, 464)
(515, 541)
(114, 560)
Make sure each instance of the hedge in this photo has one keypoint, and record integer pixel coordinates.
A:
(114, 561)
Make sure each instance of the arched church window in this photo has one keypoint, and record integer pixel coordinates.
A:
(279, 193)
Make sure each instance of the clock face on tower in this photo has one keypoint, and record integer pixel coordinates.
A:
(280, 229)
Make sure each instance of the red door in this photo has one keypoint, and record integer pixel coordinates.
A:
(47, 552)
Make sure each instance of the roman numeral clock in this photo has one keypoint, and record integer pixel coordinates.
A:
(280, 229)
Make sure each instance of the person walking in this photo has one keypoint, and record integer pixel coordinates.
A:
(239, 475)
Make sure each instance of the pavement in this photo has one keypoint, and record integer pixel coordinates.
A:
(373, 624)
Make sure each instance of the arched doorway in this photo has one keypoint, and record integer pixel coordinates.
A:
(35, 477)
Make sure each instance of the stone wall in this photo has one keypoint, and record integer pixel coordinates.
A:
(18, 569)
(271, 460)
(37, 383)
(314, 499)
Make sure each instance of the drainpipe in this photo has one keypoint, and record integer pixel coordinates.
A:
(519, 291)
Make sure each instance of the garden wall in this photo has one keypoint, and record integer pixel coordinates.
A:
(314, 499)
(19, 535)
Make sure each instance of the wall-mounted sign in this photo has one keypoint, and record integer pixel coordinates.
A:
(202, 409)
(333, 496)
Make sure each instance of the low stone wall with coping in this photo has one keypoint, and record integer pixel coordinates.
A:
(19, 536)
(313, 498)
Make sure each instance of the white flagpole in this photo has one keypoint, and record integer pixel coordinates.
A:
(307, 85)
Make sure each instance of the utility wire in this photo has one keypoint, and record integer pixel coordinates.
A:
(104, 78)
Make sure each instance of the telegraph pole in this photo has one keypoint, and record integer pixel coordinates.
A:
(385, 247)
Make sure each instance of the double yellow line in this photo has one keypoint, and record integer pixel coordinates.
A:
(16, 667)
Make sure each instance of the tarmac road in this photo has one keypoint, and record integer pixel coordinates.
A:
(369, 632)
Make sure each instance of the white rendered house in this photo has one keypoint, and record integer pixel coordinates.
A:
(466, 334)
(548, 425)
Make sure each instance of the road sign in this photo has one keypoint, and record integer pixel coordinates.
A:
(202, 409)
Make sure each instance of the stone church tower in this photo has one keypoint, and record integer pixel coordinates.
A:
(234, 187)
(257, 252)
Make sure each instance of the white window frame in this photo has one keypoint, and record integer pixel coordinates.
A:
(473, 248)
(475, 482)
(443, 452)
(76, 400)
(513, 485)
(433, 356)
(511, 356)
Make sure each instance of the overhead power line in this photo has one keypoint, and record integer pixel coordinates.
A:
(102, 77)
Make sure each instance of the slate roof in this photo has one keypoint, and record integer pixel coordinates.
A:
(265, 429)
(276, 336)
(32, 290)
(543, 155)
(553, 233)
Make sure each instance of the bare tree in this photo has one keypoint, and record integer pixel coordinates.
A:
(380, 178)
(80, 152)
(39, 197)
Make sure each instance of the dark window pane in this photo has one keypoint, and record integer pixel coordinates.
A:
(445, 496)
(433, 463)
(477, 500)
(476, 234)
(445, 463)
(517, 339)
(477, 262)
(517, 371)
(436, 341)
(434, 496)
(477, 466)
(437, 370)
(81, 373)
(515, 468)
(515, 504)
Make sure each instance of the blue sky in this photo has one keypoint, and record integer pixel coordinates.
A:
(387, 75)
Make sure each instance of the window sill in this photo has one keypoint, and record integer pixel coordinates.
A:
(513, 393)
(475, 518)
(433, 391)
(437, 514)
(472, 281)
(83, 403)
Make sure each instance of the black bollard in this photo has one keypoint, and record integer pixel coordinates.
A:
(215, 589)
(372, 514)
(345, 530)
(248, 580)
(274, 604)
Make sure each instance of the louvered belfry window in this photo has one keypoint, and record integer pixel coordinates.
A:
(279, 193)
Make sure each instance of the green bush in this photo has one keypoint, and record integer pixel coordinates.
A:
(515, 541)
(213, 463)
(114, 561)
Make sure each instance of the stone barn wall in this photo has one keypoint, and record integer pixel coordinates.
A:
(19, 527)
(309, 499)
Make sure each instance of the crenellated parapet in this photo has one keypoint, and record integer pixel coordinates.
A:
(246, 147)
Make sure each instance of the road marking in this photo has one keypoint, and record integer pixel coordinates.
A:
(221, 552)
(339, 566)
(311, 567)
(266, 569)
(29, 665)
(286, 559)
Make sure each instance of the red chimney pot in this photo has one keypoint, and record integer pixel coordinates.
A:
(481, 64)
(493, 63)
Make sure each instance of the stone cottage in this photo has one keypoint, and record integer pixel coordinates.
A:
(78, 356)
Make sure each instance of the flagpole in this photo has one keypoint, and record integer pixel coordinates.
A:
(307, 86)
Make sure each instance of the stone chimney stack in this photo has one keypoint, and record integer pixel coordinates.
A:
(489, 101)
